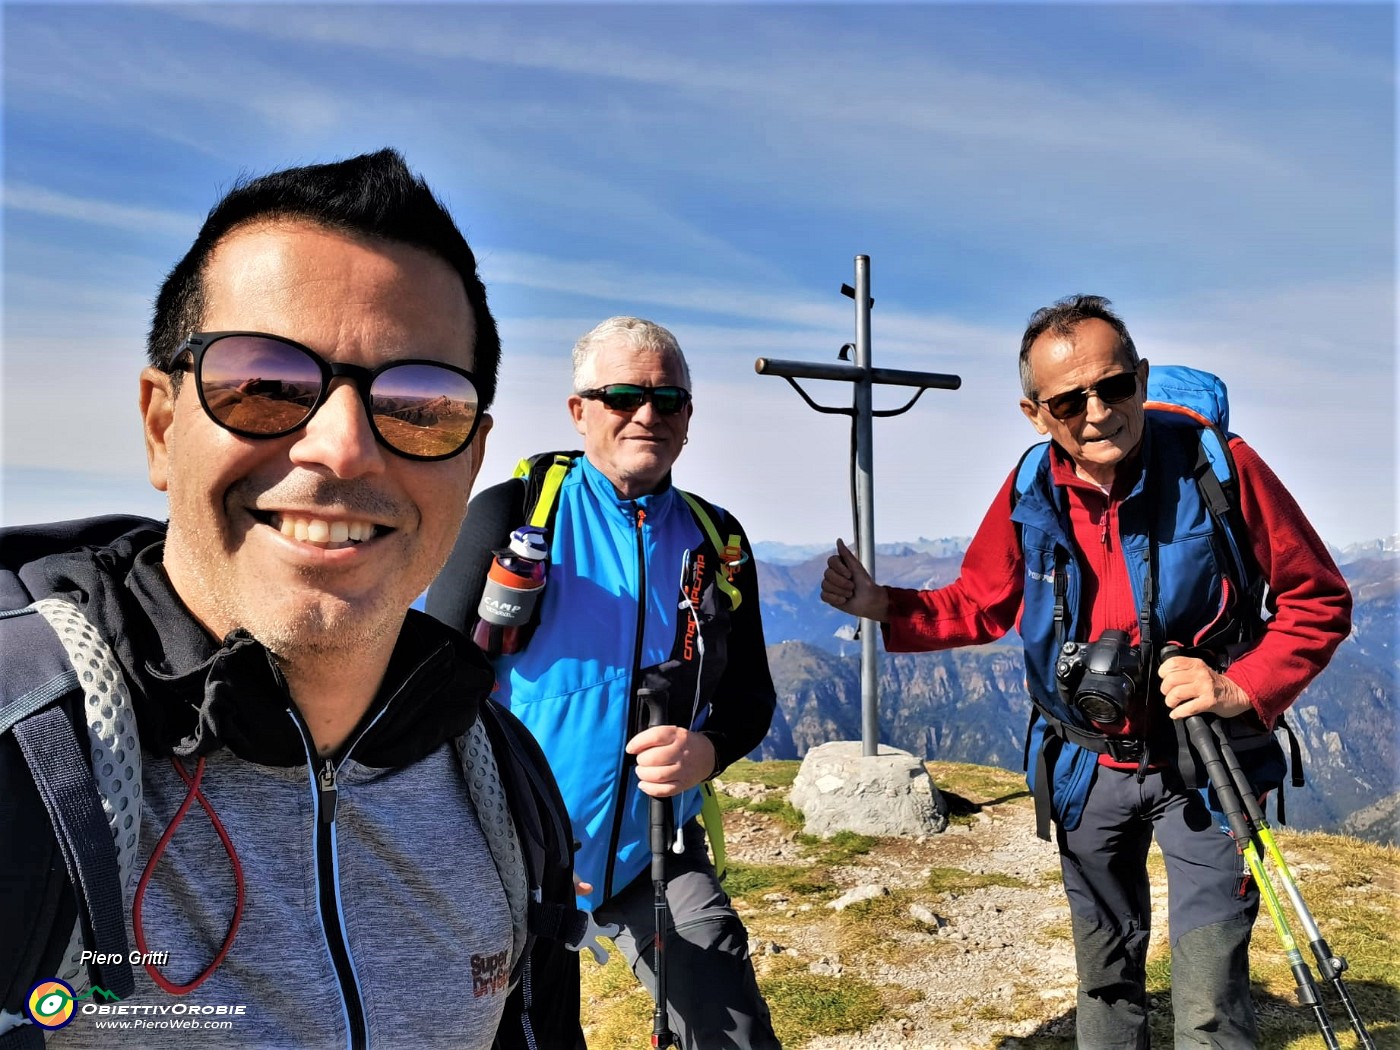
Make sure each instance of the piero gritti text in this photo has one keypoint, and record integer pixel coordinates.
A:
(134, 958)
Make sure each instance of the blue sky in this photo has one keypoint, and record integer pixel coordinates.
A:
(1225, 173)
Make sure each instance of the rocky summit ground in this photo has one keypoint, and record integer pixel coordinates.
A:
(960, 940)
(968, 957)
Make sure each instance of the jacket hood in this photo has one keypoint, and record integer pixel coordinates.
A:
(194, 694)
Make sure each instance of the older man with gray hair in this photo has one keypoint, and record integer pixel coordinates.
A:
(648, 589)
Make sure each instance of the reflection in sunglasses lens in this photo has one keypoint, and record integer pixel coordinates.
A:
(668, 400)
(259, 386)
(623, 400)
(262, 387)
(422, 409)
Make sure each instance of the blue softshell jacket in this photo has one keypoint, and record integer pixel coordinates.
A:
(1165, 520)
(630, 600)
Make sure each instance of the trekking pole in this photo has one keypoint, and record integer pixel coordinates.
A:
(1329, 965)
(1308, 995)
(662, 1037)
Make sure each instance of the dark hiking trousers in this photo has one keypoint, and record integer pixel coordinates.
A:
(712, 995)
(1211, 900)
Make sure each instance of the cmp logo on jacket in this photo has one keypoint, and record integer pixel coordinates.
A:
(693, 586)
(490, 973)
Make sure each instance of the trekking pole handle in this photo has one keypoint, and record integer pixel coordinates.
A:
(1204, 742)
(662, 1038)
(654, 703)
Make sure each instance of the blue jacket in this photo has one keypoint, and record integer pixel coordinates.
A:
(630, 599)
(1165, 525)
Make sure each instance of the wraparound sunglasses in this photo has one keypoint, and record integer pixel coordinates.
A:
(628, 397)
(1110, 390)
(264, 386)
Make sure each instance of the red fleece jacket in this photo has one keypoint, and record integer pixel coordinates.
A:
(1309, 599)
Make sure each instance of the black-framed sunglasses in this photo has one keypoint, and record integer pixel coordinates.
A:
(628, 397)
(265, 386)
(1110, 390)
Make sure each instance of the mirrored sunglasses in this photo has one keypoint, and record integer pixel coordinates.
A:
(1110, 390)
(265, 386)
(627, 397)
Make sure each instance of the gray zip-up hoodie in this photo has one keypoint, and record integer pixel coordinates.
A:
(376, 908)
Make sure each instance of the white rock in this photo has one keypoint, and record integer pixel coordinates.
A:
(860, 893)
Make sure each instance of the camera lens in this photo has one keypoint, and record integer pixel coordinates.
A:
(1098, 708)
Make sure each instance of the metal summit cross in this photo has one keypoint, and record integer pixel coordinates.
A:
(864, 378)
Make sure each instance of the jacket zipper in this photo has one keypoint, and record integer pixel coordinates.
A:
(325, 791)
(628, 761)
(328, 898)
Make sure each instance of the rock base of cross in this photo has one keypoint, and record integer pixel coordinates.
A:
(889, 794)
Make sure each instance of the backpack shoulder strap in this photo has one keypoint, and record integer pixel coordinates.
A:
(731, 552)
(43, 707)
(1218, 482)
(492, 513)
(1026, 469)
(556, 930)
(482, 772)
(542, 835)
(529, 497)
(543, 474)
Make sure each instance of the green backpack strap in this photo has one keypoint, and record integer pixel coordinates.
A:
(730, 553)
(713, 821)
(556, 466)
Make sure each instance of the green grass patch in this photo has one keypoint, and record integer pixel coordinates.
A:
(979, 785)
(780, 809)
(769, 774)
(728, 803)
(841, 848)
(615, 1007)
(1159, 974)
(805, 1005)
(747, 880)
(956, 880)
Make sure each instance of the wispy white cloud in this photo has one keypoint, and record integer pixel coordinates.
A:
(21, 197)
(1219, 33)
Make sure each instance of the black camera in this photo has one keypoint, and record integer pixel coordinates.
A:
(1100, 678)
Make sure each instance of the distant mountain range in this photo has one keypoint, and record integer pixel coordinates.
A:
(969, 705)
(796, 553)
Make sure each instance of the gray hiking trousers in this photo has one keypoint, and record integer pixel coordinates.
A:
(712, 995)
(1211, 900)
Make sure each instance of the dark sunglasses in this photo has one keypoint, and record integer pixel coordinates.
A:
(265, 386)
(1110, 390)
(626, 397)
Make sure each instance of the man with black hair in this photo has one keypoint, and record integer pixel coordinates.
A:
(374, 840)
(1105, 531)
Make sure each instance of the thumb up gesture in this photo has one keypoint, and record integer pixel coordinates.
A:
(848, 587)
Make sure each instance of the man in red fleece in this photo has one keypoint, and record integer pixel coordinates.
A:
(1112, 535)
